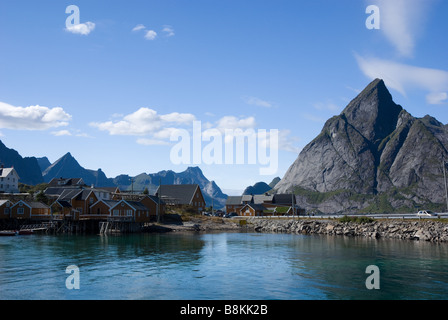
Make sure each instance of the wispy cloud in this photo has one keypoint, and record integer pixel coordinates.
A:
(61, 133)
(168, 30)
(402, 22)
(81, 28)
(254, 101)
(32, 117)
(403, 77)
(138, 27)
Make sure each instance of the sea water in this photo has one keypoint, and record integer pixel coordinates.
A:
(224, 266)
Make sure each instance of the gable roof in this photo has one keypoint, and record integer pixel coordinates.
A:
(178, 193)
(133, 204)
(233, 200)
(68, 194)
(283, 198)
(109, 203)
(261, 198)
(255, 206)
(58, 182)
(4, 172)
(153, 198)
(33, 204)
(2, 202)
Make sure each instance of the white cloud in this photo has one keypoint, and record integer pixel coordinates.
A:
(402, 22)
(437, 98)
(61, 133)
(150, 35)
(232, 122)
(81, 28)
(138, 27)
(254, 101)
(151, 142)
(142, 122)
(402, 77)
(32, 117)
(169, 31)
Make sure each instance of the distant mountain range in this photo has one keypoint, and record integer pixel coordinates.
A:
(33, 171)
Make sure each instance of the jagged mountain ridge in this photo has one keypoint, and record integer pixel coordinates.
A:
(27, 168)
(192, 175)
(373, 157)
(68, 166)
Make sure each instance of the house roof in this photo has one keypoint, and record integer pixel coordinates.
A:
(261, 198)
(2, 202)
(283, 198)
(58, 182)
(33, 204)
(153, 198)
(69, 193)
(255, 206)
(233, 200)
(178, 193)
(109, 203)
(247, 198)
(4, 172)
(64, 203)
(134, 204)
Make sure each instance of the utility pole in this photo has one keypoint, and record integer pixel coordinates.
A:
(158, 200)
(444, 179)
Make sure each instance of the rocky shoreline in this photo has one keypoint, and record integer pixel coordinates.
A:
(425, 230)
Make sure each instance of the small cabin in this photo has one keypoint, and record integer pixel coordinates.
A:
(29, 210)
(5, 209)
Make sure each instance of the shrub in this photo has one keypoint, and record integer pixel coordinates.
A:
(356, 219)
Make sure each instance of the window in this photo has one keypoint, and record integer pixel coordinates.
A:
(116, 212)
(129, 213)
(20, 210)
(91, 200)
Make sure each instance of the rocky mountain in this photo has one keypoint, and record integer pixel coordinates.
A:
(67, 166)
(27, 168)
(44, 163)
(192, 175)
(258, 188)
(373, 157)
(261, 187)
(274, 182)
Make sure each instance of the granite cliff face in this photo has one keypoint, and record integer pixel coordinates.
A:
(373, 157)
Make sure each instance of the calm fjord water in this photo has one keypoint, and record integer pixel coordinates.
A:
(229, 266)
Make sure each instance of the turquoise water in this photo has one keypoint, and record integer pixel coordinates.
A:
(228, 266)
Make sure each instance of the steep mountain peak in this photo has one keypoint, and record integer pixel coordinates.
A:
(373, 112)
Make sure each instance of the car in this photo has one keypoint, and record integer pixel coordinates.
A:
(427, 213)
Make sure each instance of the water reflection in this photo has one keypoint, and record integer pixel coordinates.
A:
(229, 266)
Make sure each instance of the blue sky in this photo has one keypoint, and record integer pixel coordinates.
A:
(113, 88)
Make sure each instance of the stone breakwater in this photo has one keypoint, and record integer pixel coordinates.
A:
(434, 231)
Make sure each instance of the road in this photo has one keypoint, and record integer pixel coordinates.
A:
(384, 216)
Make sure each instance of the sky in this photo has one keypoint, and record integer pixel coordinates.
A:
(127, 86)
